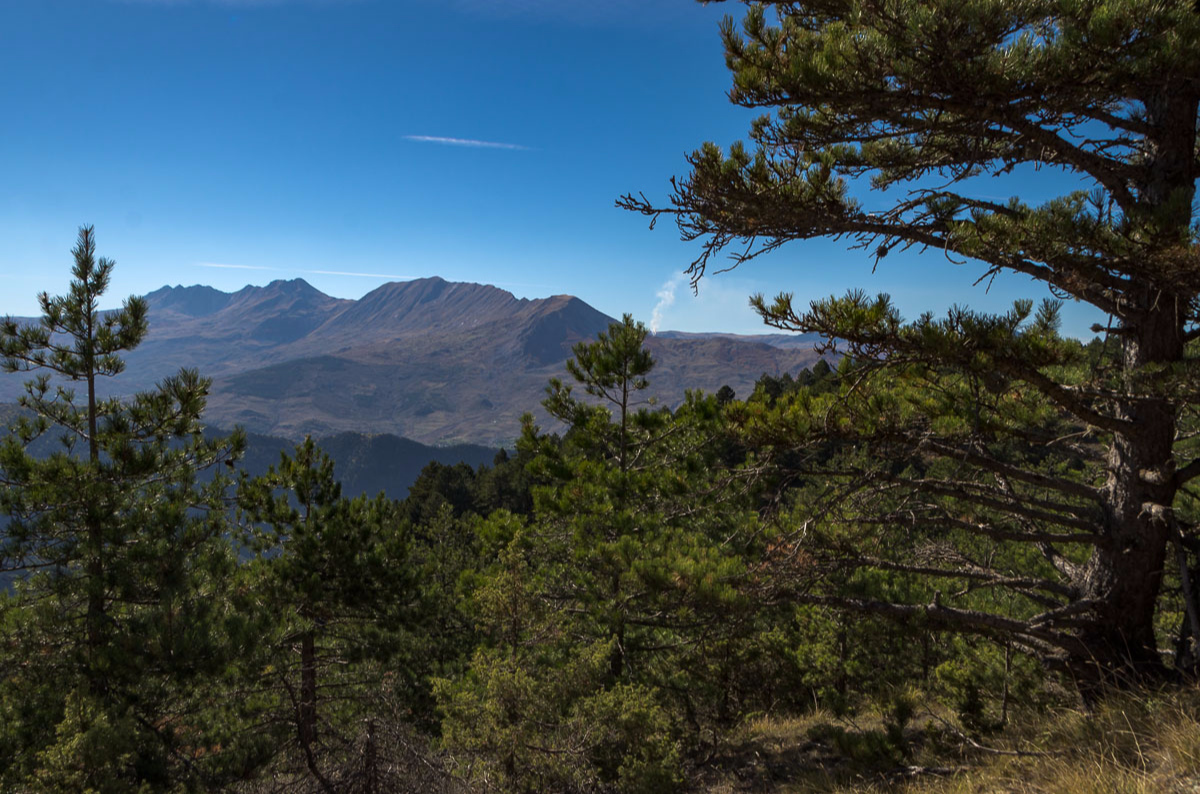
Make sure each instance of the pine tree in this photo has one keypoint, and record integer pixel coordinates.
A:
(114, 622)
(982, 431)
(334, 578)
(614, 619)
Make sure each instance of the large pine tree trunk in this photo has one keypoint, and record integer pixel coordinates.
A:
(1125, 573)
(96, 618)
(306, 717)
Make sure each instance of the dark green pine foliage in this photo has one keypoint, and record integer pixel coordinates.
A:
(337, 600)
(1026, 470)
(465, 491)
(445, 506)
(441, 486)
(116, 626)
(614, 617)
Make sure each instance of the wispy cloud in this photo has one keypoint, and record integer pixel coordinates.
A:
(352, 273)
(224, 266)
(237, 3)
(467, 142)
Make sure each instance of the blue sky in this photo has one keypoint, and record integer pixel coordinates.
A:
(353, 142)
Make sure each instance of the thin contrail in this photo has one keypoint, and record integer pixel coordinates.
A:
(468, 142)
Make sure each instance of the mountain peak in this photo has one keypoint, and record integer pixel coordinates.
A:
(424, 304)
(194, 301)
(282, 294)
(556, 323)
(293, 286)
(280, 312)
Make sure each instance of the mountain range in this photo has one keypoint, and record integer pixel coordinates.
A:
(436, 361)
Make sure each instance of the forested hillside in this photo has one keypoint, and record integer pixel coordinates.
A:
(367, 464)
(600, 610)
(964, 557)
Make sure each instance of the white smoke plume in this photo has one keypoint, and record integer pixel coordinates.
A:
(666, 299)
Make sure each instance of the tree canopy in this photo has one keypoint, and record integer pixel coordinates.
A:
(1000, 435)
(118, 616)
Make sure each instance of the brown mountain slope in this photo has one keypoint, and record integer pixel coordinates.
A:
(222, 333)
(431, 360)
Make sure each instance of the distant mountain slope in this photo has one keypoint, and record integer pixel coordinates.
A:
(363, 463)
(782, 341)
(432, 360)
(368, 464)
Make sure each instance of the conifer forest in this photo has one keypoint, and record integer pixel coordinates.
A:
(959, 553)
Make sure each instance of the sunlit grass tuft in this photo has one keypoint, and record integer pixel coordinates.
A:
(1132, 743)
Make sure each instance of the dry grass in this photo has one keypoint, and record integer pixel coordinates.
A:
(1145, 743)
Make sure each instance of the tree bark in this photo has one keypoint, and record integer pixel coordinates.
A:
(96, 606)
(306, 716)
(306, 711)
(1125, 573)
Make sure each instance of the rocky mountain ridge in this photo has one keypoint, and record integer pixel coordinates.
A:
(433, 360)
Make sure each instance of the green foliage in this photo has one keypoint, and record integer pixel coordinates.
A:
(815, 381)
(323, 555)
(441, 486)
(558, 728)
(335, 593)
(504, 485)
(118, 622)
(93, 752)
(974, 433)
(617, 628)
